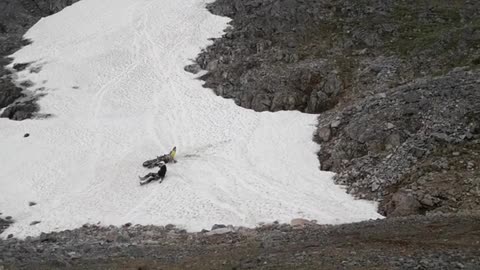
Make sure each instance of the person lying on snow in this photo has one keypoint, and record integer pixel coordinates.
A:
(155, 176)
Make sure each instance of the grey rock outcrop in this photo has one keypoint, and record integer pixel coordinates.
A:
(384, 140)
(308, 55)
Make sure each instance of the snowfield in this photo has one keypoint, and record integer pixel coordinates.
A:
(112, 72)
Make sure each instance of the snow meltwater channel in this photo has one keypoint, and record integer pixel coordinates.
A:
(112, 72)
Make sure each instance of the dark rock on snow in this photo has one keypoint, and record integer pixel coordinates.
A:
(5, 223)
(218, 226)
(21, 110)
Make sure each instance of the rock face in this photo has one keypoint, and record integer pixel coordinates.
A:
(388, 144)
(16, 17)
(309, 55)
(396, 83)
(20, 110)
(9, 92)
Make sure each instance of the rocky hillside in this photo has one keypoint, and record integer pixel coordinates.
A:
(309, 55)
(16, 17)
(416, 144)
(438, 242)
(396, 82)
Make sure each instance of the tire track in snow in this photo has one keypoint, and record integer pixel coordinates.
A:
(185, 111)
(159, 72)
(99, 98)
(169, 76)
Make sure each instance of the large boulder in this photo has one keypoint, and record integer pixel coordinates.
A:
(402, 203)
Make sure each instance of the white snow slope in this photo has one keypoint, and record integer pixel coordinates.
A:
(113, 74)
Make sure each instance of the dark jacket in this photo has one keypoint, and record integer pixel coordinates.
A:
(162, 171)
